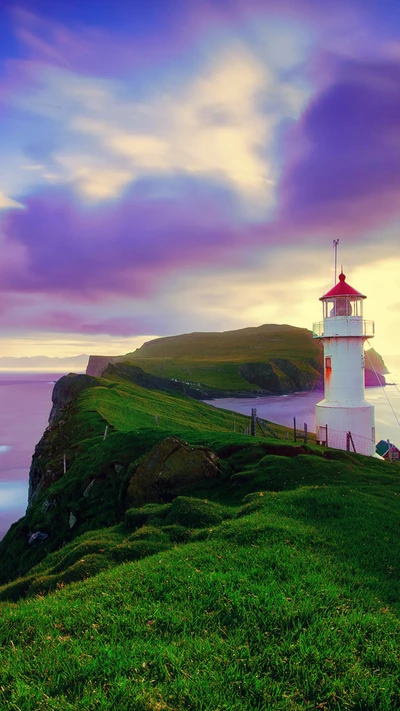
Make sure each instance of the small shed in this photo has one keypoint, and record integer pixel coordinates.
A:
(387, 450)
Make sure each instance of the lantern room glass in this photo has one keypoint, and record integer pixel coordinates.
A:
(343, 306)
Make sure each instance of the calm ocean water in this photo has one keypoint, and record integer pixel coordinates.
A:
(25, 402)
(282, 409)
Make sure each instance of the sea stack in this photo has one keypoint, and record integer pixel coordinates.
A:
(344, 419)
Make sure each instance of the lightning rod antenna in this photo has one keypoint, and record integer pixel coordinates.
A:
(335, 246)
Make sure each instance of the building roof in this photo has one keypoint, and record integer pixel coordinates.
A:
(342, 289)
(382, 447)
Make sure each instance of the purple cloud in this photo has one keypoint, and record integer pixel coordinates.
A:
(121, 248)
(68, 322)
(349, 173)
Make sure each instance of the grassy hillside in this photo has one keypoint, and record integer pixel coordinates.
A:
(272, 358)
(288, 601)
(246, 344)
(130, 413)
(272, 586)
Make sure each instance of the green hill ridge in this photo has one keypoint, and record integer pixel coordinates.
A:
(271, 359)
(186, 565)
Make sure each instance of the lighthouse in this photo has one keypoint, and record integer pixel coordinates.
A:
(344, 419)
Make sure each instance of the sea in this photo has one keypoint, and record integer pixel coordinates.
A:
(25, 403)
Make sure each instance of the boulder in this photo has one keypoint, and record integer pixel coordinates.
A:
(171, 468)
(48, 505)
(37, 537)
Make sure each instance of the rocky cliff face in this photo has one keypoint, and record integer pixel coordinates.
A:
(281, 376)
(98, 364)
(67, 389)
(47, 465)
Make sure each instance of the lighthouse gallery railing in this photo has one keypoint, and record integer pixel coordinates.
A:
(342, 326)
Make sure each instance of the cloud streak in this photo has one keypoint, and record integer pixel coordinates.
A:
(218, 124)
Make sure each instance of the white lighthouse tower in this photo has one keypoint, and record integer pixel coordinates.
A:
(344, 409)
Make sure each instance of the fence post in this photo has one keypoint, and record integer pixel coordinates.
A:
(326, 443)
(305, 433)
(294, 429)
(348, 441)
(65, 463)
(156, 419)
(390, 452)
(105, 432)
(253, 421)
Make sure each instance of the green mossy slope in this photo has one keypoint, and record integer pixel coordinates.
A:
(272, 357)
(289, 600)
(129, 412)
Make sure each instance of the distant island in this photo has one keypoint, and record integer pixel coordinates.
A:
(271, 359)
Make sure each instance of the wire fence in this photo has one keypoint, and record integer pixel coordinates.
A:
(325, 436)
(340, 439)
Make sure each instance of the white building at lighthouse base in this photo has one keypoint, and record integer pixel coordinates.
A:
(346, 426)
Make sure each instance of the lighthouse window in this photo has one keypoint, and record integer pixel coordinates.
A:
(328, 363)
(343, 307)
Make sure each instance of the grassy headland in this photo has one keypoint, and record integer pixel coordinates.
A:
(273, 584)
(268, 359)
(271, 358)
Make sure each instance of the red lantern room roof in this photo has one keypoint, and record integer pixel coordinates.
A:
(342, 289)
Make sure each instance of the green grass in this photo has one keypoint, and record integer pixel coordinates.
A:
(292, 603)
(214, 359)
(106, 465)
(273, 587)
(246, 344)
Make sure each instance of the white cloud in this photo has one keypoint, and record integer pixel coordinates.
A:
(7, 203)
(95, 178)
(213, 126)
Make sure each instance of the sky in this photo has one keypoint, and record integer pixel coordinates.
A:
(169, 166)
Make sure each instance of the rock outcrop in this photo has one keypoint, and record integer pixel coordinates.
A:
(169, 469)
(67, 389)
(98, 364)
(47, 465)
(280, 376)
